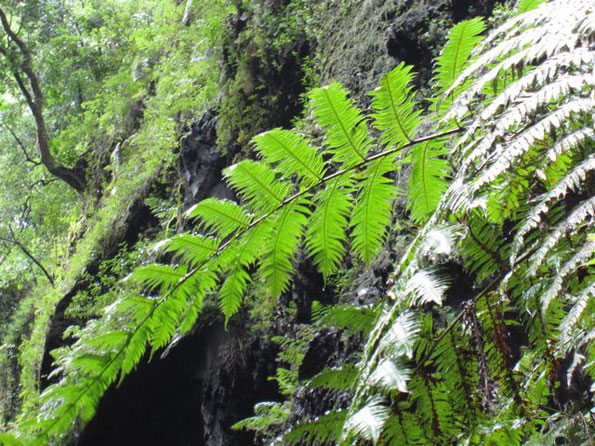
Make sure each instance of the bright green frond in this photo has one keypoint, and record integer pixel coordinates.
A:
(427, 182)
(281, 246)
(336, 379)
(220, 216)
(528, 5)
(394, 107)
(462, 39)
(346, 133)
(257, 184)
(240, 255)
(194, 249)
(158, 276)
(326, 236)
(372, 212)
(291, 154)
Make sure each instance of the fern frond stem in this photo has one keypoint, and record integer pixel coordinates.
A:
(436, 431)
(401, 423)
(357, 166)
(504, 351)
(254, 223)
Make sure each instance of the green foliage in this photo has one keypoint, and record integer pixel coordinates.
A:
(514, 118)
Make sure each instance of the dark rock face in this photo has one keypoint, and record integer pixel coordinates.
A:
(419, 30)
(209, 381)
(201, 162)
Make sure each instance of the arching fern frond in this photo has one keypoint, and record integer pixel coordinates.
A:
(462, 40)
(327, 235)
(282, 244)
(291, 154)
(220, 216)
(257, 184)
(345, 127)
(394, 107)
(373, 209)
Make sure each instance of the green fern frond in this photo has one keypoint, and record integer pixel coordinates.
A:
(238, 258)
(193, 249)
(220, 216)
(323, 430)
(461, 40)
(158, 276)
(393, 106)
(346, 134)
(347, 317)
(336, 379)
(257, 184)
(372, 212)
(527, 5)
(9, 440)
(291, 154)
(326, 236)
(427, 182)
(282, 244)
(266, 414)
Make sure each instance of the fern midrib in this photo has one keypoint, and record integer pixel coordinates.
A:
(457, 51)
(340, 121)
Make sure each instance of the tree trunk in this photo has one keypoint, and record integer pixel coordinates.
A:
(28, 83)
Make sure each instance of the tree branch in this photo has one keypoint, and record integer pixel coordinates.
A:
(20, 144)
(25, 251)
(23, 74)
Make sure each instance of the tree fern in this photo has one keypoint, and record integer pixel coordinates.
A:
(499, 156)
